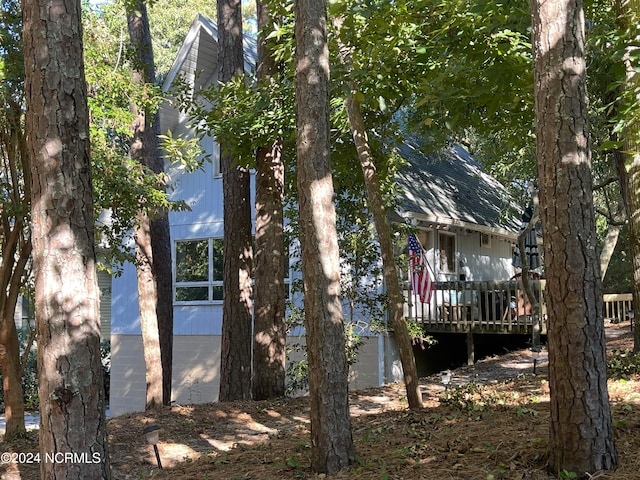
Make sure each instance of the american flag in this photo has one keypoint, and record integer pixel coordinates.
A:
(421, 281)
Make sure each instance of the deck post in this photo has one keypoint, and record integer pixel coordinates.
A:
(471, 349)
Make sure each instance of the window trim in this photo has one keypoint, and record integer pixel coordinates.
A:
(451, 261)
(210, 283)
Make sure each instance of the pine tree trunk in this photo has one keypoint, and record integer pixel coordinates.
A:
(235, 361)
(153, 240)
(147, 300)
(394, 293)
(633, 179)
(331, 439)
(629, 164)
(162, 269)
(269, 326)
(72, 399)
(581, 433)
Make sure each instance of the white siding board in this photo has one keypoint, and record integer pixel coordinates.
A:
(104, 283)
(485, 264)
(125, 318)
(128, 383)
(196, 370)
(197, 319)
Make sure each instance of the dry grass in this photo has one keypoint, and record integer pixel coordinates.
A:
(492, 425)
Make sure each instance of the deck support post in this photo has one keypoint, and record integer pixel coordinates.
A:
(471, 349)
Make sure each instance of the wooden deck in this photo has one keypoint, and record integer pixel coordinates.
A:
(495, 307)
(479, 307)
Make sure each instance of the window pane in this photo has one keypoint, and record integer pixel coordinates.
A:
(447, 253)
(189, 294)
(192, 261)
(217, 292)
(218, 263)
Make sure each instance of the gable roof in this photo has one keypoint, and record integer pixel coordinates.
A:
(197, 61)
(451, 189)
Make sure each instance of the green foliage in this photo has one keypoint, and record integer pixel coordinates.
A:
(567, 474)
(621, 364)
(11, 61)
(122, 187)
(30, 372)
(184, 150)
(472, 398)
(241, 115)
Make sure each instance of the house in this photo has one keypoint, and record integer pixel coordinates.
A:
(459, 211)
(454, 204)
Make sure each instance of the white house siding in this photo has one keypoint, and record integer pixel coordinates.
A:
(104, 283)
(196, 363)
(196, 366)
(198, 325)
(484, 263)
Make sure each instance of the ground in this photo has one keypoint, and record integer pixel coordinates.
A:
(491, 423)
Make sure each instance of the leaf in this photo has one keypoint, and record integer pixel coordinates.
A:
(382, 104)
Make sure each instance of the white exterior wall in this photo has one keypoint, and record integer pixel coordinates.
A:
(197, 325)
(485, 263)
(196, 367)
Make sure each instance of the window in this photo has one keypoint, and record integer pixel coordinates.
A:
(485, 240)
(447, 252)
(199, 266)
(199, 270)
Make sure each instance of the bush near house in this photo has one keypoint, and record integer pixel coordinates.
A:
(30, 373)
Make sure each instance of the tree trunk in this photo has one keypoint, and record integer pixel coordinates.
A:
(581, 433)
(72, 400)
(269, 326)
(394, 292)
(153, 240)
(16, 252)
(147, 299)
(629, 164)
(235, 362)
(11, 377)
(633, 179)
(331, 439)
(162, 269)
(11, 362)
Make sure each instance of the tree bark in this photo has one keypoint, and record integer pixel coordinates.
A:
(385, 238)
(16, 251)
(269, 326)
(235, 362)
(153, 239)
(147, 299)
(331, 439)
(72, 398)
(629, 160)
(581, 433)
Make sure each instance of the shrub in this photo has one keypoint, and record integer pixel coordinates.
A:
(30, 373)
(623, 363)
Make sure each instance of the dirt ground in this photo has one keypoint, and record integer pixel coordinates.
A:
(491, 423)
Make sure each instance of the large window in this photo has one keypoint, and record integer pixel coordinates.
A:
(199, 270)
(199, 266)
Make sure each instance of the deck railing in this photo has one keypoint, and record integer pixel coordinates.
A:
(482, 307)
(618, 307)
(495, 307)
